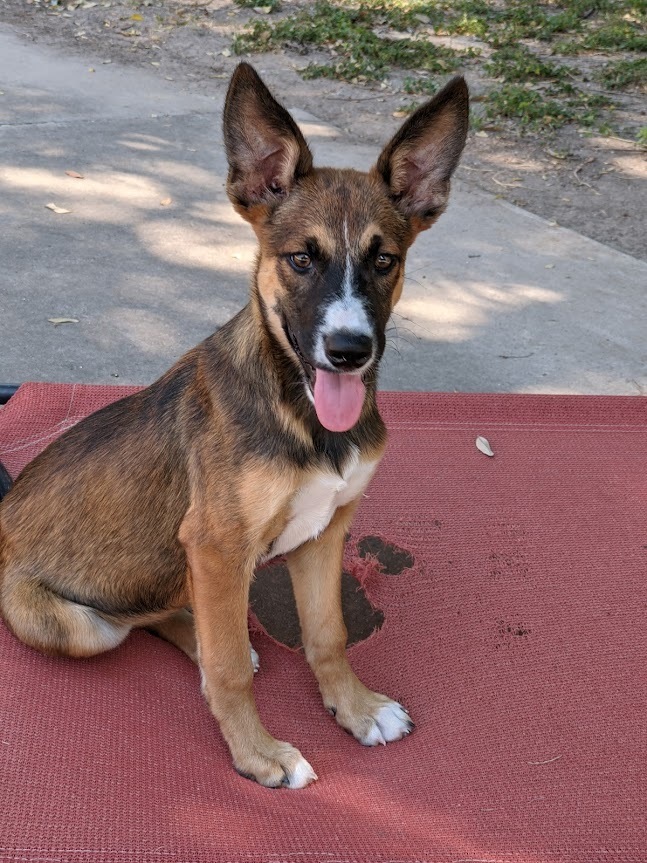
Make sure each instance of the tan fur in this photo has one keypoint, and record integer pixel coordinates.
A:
(168, 499)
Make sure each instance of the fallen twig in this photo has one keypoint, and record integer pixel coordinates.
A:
(515, 184)
(581, 182)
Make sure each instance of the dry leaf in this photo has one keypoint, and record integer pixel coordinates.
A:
(549, 266)
(165, 202)
(483, 445)
(57, 321)
(226, 52)
(481, 134)
(75, 174)
(55, 209)
(400, 114)
(263, 10)
(137, 17)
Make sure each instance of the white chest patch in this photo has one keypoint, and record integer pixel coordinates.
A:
(313, 505)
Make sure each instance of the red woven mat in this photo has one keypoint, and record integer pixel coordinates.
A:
(517, 639)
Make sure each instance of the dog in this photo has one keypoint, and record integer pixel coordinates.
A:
(155, 511)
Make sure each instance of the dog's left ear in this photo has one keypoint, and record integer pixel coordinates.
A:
(266, 151)
(419, 160)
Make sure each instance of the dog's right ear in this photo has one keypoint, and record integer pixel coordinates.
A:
(266, 151)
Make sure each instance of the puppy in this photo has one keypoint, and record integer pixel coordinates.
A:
(155, 511)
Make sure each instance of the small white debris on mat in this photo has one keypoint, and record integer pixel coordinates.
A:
(56, 209)
(483, 445)
(548, 761)
(57, 321)
(75, 175)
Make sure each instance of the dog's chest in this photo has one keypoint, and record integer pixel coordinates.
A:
(314, 504)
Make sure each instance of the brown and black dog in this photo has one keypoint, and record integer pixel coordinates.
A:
(258, 442)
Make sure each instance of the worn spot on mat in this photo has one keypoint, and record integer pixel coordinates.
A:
(272, 602)
(392, 559)
(510, 633)
(509, 555)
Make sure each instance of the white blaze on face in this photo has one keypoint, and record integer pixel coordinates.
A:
(346, 313)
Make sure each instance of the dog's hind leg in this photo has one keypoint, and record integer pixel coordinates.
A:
(179, 629)
(54, 625)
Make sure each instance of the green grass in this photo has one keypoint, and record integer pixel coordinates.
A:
(641, 137)
(363, 55)
(545, 109)
(520, 64)
(272, 5)
(427, 86)
(505, 23)
(625, 73)
(354, 39)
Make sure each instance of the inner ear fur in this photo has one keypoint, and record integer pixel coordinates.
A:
(266, 151)
(419, 160)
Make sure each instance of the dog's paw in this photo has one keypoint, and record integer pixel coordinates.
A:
(390, 722)
(374, 719)
(256, 660)
(277, 765)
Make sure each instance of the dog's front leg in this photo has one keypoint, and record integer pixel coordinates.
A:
(219, 578)
(315, 568)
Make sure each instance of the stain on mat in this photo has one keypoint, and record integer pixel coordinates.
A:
(273, 604)
(510, 633)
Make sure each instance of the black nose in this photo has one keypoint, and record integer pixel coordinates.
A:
(347, 350)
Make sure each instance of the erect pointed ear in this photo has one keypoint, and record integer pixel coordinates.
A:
(266, 151)
(418, 162)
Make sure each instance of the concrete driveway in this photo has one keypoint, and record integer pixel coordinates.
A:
(496, 299)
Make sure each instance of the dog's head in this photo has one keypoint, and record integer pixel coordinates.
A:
(333, 242)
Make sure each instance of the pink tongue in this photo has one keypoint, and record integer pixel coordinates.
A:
(338, 400)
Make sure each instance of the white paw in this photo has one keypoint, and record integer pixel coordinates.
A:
(256, 661)
(300, 775)
(390, 722)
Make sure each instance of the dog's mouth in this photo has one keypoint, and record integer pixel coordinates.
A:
(338, 397)
(309, 371)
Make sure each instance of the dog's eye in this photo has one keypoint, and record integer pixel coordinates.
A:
(384, 262)
(301, 261)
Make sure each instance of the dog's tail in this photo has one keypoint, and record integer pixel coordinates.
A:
(5, 481)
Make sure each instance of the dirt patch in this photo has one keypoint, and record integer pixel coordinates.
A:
(591, 182)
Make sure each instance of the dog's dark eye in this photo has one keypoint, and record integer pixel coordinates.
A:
(384, 262)
(300, 261)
